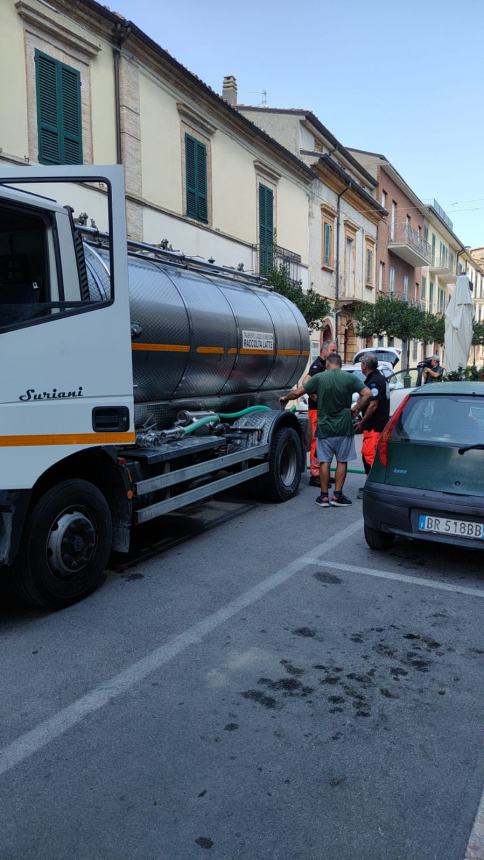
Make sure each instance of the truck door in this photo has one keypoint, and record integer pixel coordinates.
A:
(65, 349)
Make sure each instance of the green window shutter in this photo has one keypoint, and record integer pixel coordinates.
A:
(70, 89)
(327, 245)
(58, 111)
(196, 179)
(266, 228)
(47, 109)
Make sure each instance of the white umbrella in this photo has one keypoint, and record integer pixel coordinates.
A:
(458, 325)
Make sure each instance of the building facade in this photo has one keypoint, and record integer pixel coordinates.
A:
(86, 86)
(343, 219)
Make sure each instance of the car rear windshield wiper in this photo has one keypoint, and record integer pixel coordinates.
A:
(470, 448)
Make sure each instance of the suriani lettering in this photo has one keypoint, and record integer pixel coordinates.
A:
(32, 394)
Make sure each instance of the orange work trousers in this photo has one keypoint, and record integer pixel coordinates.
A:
(369, 446)
(313, 460)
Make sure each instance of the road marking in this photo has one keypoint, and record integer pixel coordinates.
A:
(401, 577)
(475, 846)
(33, 741)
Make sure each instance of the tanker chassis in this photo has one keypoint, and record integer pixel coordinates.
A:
(134, 384)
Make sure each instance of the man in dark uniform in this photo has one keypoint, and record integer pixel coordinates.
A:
(377, 413)
(318, 366)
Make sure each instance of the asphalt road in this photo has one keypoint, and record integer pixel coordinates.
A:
(269, 688)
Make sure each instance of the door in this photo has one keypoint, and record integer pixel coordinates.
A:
(65, 349)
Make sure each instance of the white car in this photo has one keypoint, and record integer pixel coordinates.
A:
(383, 366)
(390, 355)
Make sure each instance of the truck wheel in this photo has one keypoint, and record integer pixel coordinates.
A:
(285, 464)
(65, 546)
(377, 539)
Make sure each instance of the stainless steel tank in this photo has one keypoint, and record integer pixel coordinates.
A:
(208, 340)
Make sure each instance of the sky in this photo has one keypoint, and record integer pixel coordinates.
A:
(405, 79)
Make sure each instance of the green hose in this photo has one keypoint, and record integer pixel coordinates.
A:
(244, 412)
(210, 419)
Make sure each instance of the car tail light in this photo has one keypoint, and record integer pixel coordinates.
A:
(387, 432)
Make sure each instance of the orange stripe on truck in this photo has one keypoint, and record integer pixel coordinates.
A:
(67, 439)
(161, 347)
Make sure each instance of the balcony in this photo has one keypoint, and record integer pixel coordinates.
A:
(443, 265)
(409, 245)
(274, 257)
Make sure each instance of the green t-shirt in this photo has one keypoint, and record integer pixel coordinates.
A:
(334, 390)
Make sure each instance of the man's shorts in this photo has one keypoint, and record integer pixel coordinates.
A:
(341, 447)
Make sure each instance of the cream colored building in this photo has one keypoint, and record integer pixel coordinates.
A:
(343, 218)
(86, 86)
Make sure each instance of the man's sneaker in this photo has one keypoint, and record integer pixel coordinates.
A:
(322, 501)
(314, 482)
(340, 501)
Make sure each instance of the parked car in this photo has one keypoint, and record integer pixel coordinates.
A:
(383, 366)
(426, 481)
(389, 354)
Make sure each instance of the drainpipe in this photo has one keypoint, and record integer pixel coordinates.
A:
(121, 34)
(338, 222)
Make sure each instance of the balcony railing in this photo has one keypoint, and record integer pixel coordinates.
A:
(274, 257)
(409, 244)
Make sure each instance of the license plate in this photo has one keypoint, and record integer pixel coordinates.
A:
(444, 526)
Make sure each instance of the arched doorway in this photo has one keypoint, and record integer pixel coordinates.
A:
(325, 333)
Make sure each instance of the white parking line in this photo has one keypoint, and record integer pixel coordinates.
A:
(401, 577)
(475, 847)
(33, 741)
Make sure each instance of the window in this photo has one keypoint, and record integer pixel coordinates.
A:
(327, 230)
(426, 234)
(32, 287)
(431, 297)
(196, 179)
(424, 288)
(391, 342)
(392, 279)
(408, 221)
(381, 275)
(59, 127)
(433, 249)
(369, 256)
(405, 287)
(328, 218)
(266, 228)
(380, 340)
(394, 220)
(384, 199)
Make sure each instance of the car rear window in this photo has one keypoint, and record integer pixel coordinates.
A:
(444, 419)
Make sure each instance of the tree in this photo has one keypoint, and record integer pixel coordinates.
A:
(391, 316)
(313, 307)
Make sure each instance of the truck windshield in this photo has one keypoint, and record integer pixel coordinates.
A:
(442, 419)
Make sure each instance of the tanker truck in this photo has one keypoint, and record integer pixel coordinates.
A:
(136, 382)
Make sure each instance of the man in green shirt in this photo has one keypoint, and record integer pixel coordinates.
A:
(335, 432)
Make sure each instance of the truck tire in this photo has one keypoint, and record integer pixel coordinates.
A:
(377, 539)
(65, 546)
(285, 465)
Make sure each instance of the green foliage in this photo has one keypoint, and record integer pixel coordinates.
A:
(477, 333)
(313, 307)
(465, 374)
(397, 318)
